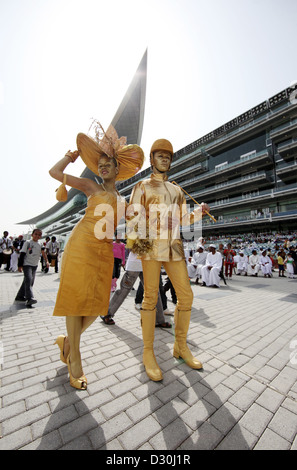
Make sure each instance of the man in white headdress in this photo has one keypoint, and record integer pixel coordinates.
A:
(242, 264)
(211, 271)
(254, 263)
(266, 264)
(197, 263)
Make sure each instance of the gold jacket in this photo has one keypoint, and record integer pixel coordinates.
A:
(160, 198)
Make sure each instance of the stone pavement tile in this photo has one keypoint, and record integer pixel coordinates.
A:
(193, 394)
(272, 441)
(112, 445)
(41, 427)
(25, 419)
(266, 373)
(284, 423)
(109, 430)
(81, 426)
(82, 443)
(167, 413)
(11, 395)
(170, 391)
(239, 361)
(290, 405)
(235, 381)
(65, 400)
(171, 376)
(93, 402)
(218, 395)
(146, 389)
(189, 378)
(283, 382)
(139, 433)
(13, 377)
(102, 373)
(43, 397)
(144, 408)
(238, 438)
(243, 398)
(13, 371)
(225, 418)
(256, 363)
(206, 437)
(171, 436)
(51, 441)
(117, 405)
(98, 385)
(213, 379)
(256, 386)
(12, 410)
(124, 386)
(16, 440)
(197, 414)
(256, 419)
(270, 399)
(128, 372)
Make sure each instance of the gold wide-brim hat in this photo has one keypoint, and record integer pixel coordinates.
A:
(130, 158)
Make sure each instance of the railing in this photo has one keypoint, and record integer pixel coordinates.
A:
(230, 166)
(286, 126)
(287, 145)
(240, 219)
(229, 184)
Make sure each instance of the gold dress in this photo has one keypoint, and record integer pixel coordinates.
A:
(87, 263)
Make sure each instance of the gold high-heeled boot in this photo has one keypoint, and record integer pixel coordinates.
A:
(182, 323)
(148, 320)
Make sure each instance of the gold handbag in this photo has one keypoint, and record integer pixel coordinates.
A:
(62, 191)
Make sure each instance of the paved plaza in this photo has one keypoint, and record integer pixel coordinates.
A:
(245, 333)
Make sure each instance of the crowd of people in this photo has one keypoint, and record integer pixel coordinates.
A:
(12, 247)
(249, 256)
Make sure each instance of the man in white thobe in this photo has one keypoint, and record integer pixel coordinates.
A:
(211, 271)
(242, 264)
(254, 263)
(197, 263)
(266, 264)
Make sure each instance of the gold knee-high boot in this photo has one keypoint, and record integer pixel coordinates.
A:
(148, 320)
(182, 322)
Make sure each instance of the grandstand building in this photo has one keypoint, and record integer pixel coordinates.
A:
(246, 170)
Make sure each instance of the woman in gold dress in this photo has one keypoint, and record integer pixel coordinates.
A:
(87, 263)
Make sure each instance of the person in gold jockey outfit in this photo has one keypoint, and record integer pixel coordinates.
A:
(164, 209)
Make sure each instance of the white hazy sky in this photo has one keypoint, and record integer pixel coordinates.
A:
(63, 62)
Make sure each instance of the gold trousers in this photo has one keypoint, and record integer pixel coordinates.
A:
(178, 275)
